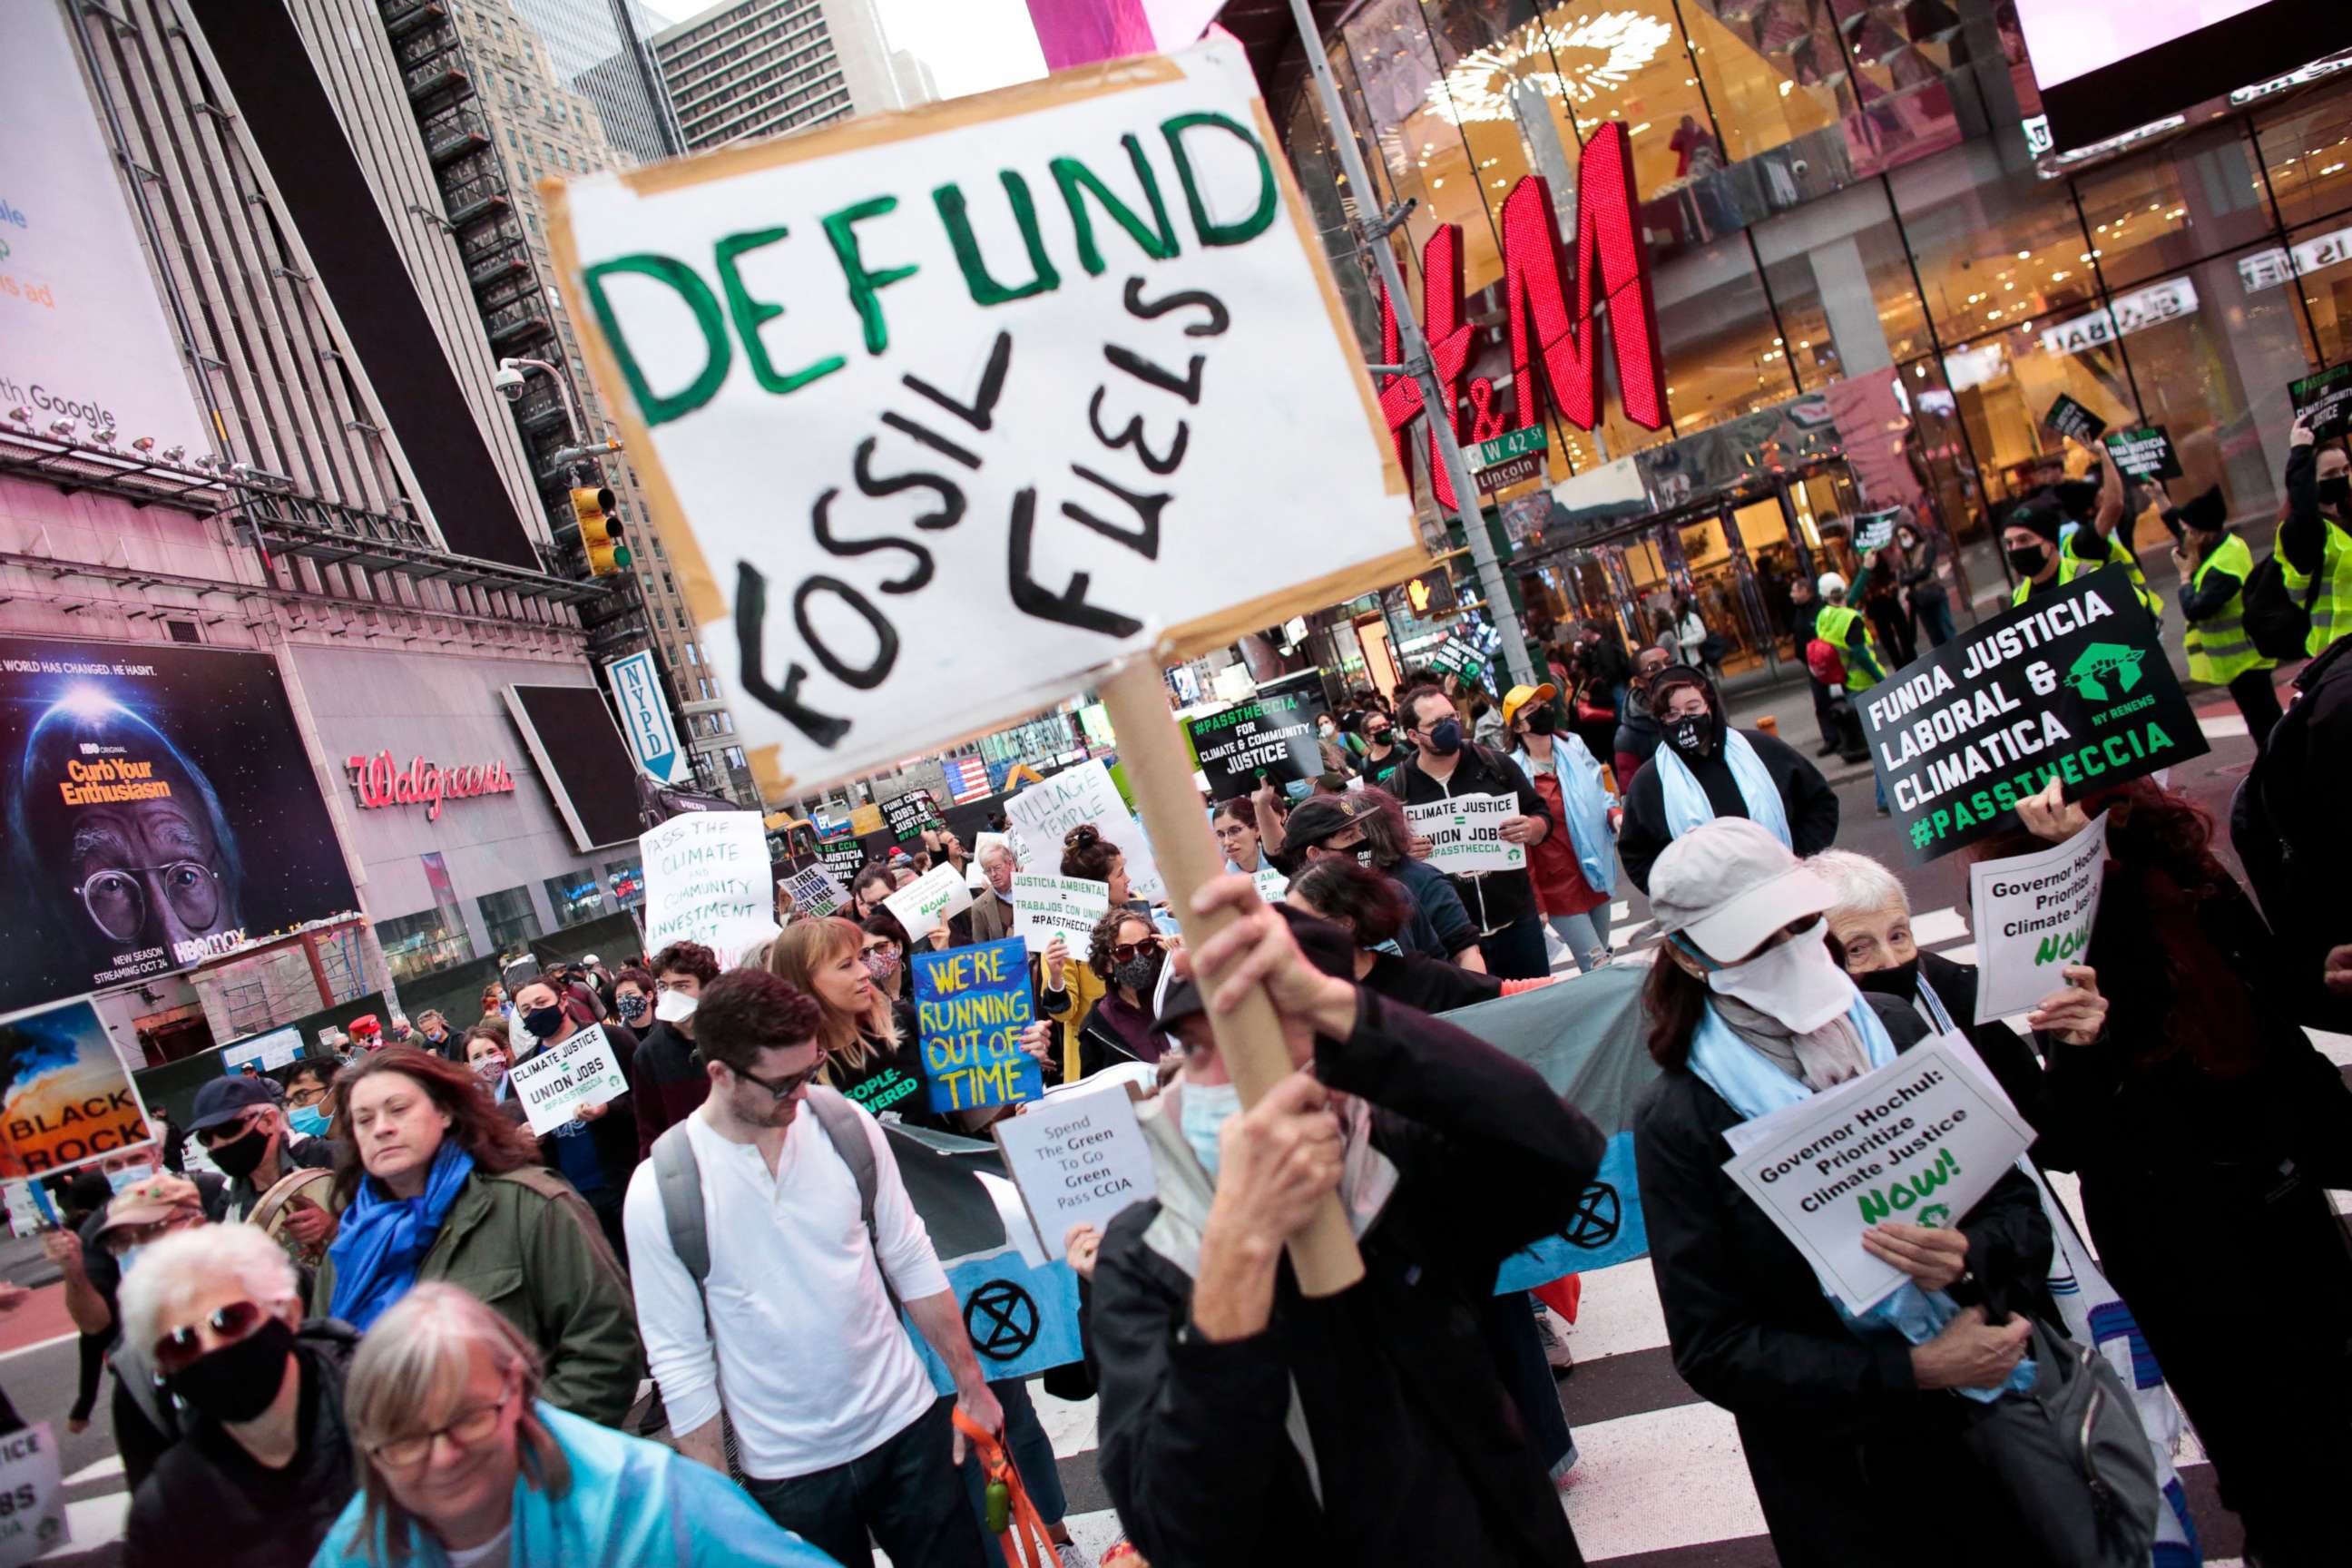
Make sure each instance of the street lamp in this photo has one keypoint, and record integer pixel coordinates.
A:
(511, 380)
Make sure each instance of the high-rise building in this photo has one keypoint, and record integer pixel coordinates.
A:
(747, 69)
(507, 93)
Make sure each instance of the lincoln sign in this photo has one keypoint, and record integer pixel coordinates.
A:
(378, 782)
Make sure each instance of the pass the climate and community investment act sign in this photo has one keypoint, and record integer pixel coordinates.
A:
(1051, 362)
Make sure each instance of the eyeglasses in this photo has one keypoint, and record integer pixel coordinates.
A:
(184, 1345)
(463, 1432)
(783, 1088)
(116, 896)
(305, 1097)
(1125, 952)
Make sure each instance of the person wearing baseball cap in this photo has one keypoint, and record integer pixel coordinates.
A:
(243, 1128)
(1749, 1014)
(1575, 871)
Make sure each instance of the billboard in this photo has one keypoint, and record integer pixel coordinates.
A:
(587, 768)
(162, 809)
(82, 331)
(2104, 68)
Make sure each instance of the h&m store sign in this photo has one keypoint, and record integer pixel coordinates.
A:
(378, 782)
(1554, 315)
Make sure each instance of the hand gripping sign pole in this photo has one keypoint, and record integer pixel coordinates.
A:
(1249, 1038)
(1417, 363)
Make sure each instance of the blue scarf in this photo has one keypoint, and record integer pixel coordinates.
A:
(383, 1240)
(1685, 797)
(1753, 1085)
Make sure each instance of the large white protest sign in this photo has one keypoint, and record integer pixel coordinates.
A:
(2034, 915)
(1045, 812)
(1918, 1141)
(1047, 360)
(1078, 1159)
(706, 872)
(1047, 907)
(32, 1485)
(812, 889)
(1465, 834)
(553, 1084)
(929, 901)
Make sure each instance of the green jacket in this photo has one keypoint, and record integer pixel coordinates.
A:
(529, 1246)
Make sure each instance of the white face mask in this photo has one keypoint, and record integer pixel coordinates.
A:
(674, 1006)
(1203, 1108)
(1797, 982)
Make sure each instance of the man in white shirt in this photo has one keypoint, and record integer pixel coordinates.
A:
(837, 1429)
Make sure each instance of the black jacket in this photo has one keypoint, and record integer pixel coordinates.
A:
(1919, 576)
(1805, 796)
(2302, 536)
(1496, 899)
(2290, 828)
(207, 1501)
(1429, 984)
(1420, 1450)
(1637, 737)
(1829, 1418)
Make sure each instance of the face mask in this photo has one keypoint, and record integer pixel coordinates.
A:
(1379, 737)
(1797, 984)
(1692, 736)
(2335, 491)
(1901, 981)
(1138, 973)
(882, 963)
(1364, 859)
(237, 1382)
(674, 1006)
(491, 1069)
(239, 1157)
(129, 1256)
(1204, 1109)
(544, 1022)
(1446, 739)
(309, 1121)
(2027, 559)
(1542, 722)
(631, 1008)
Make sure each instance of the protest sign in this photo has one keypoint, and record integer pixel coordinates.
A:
(1465, 834)
(1047, 907)
(1918, 1141)
(33, 1520)
(1271, 736)
(845, 858)
(66, 1097)
(2068, 417)
(2144, 454)
(970, 1005)
(2071, 684)
(1078, 1159)
(1042, 813)
(1872, 530)
(812, 889)
(908, 815)
(706, 872)
(929, 901)
(2326, 399)
(1050, 356)
(2032, 915)
(1272, 885)
(557, 1080)
(1456, 655)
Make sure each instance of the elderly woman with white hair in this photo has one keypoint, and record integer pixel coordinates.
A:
(263, 1465)
(462, 1464)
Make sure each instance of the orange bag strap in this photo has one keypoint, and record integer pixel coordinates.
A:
(1024, 1541)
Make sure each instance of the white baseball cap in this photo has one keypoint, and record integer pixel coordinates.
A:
(1728, 884)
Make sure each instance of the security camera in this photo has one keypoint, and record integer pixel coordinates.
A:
(1798, 167)
(509, 379)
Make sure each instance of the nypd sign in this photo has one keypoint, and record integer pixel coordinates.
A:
(645, 717)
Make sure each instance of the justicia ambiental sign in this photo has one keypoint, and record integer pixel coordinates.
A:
(378, 782)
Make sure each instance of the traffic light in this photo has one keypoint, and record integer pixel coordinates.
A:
(600, 530)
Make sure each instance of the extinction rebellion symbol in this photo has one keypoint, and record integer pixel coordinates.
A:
(1001, 1320)
(1597, 1218)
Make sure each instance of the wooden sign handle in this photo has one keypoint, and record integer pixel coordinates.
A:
(1249, 1038)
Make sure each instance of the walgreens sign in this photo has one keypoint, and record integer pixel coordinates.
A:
(378, 782)
(1554, 315)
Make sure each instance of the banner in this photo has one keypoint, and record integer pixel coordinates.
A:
(161, 810)
(2071, 685)
(812, 889)
(908, 815)
(555, 1081)
(644, 718)
(1078, 1159)
(1023, 1320)
(2032, 915)
(1045, 812)
(1045, 908)
(1271, 736)
(971, 1005)
(1051, 358)
(929, 901)
(707, 876)
(1465, 834)
(1919, 1140)
(66, 1098)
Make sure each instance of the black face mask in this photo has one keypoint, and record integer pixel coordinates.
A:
(2029, 559)
(1901, 981)
(1446, 737)
(240, 1157)
(544, 1022)
(631, 1008)
(1542, 722)
(2335, 492)
(1693, 736)
(237, 1382)
(1379, 737)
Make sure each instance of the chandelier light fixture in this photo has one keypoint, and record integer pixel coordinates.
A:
(1600, 53)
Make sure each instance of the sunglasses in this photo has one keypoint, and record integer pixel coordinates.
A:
(1123, 952)
(123, 1237)
(184, 1345)
(783, 1088)
(464, 1432)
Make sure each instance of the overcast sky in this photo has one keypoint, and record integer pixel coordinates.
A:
(971, 46)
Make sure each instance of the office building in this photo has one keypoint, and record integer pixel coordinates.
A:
(754, 68)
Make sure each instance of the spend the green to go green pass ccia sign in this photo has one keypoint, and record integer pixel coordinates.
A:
(1042, 363)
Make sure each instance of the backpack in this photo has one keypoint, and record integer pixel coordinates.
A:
(2276, 624)
(1827, 665)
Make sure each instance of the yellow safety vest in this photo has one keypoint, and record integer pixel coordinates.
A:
(2219, 650)
(1833, 627)
(2070, 567)
(2331, 607)
(2092, 559)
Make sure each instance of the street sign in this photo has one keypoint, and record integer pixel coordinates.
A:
(645, 717)
(1512, 457)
